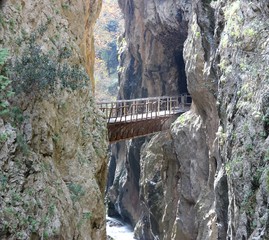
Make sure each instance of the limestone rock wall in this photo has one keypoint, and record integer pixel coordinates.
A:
(158, 188)
(123, 182)
(175, 183)
(212, 169)
(149, 67)
(53, 139)
(243, 109)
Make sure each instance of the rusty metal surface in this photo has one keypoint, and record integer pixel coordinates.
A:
(139, 117)
(127, 130)
(144, 108)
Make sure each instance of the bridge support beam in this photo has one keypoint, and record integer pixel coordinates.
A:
(127, 130)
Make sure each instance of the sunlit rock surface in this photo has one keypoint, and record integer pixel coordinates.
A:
(53, 162)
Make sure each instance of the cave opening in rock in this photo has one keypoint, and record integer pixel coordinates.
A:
(182, 79)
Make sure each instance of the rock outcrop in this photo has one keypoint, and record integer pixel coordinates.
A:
(243, 110)
(152, 63)
(123, 181)
(53, 139)
(149, 67)
(158, 188)
(208, 178)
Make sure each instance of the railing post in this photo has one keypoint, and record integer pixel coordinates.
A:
(130, 109)
(115, 112)
(151, 108)
(167, 105)
(110, 112)
(122, 111)
(107, 114)
(135, 110)
(182, 102)
(170, 108)
(119, 110)
(158, 107)
(147, 108)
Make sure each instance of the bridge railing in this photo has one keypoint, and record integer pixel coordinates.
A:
(144, 108)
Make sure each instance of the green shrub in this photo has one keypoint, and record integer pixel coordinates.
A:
(3, 137)
(2, 20)
(37, 72)
(5, 88)
(3, 56)
(76, 191)
(22, 145)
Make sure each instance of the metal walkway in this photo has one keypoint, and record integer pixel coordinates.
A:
(139, 117)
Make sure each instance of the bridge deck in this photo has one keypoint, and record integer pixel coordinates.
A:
(138, 117)
(144, 116)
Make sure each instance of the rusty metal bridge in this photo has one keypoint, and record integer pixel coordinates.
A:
(139, 117)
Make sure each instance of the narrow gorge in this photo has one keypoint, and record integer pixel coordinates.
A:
(206, 178)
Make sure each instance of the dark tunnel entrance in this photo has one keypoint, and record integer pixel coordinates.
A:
(182, 79)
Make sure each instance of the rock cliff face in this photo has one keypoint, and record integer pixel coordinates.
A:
(243, 110)
(149, 67)
(208, 177)
(53, 139)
